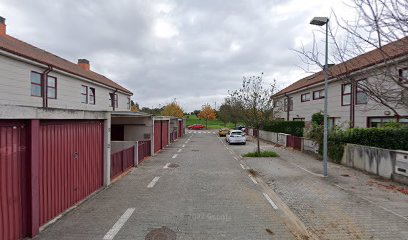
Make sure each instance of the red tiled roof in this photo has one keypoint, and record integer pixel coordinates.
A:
(20, 48)
(389, 51)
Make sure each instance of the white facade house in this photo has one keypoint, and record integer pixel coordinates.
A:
(348, 104)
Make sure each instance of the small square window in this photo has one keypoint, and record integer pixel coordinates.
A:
(92, 96)
(84, 94)
(52, 87)
(36, 84)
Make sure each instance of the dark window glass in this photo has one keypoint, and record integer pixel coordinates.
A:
(84, 94)
(36, 84)
(91, 95)
(52, 87)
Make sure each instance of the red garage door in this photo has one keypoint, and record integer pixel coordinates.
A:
(180, 129)
(71, 164)
(157, 136)
(13, 181)
(165, 133)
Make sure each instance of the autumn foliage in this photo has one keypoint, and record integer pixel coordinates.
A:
(173, 109)
(207, 113)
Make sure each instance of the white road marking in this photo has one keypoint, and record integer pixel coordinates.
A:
(153, 182)
(304, 169)
(374, 203)
(236, 158)
(253, 179)
(270, 201)
(174, 156)
(167, 165)
(119, 224)
(183, 145)
(179, 150)
(242, 166)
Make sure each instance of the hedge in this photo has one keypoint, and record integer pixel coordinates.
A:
(294, 128)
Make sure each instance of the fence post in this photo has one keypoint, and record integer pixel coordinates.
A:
(136, 153)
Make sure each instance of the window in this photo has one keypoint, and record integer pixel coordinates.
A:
(403, 75)
(36, 84)
(346, 94)
(84, 94)
(299, 119)
(319, 94)
(92, 96)
(305, 97)
(361, 95)
(404, 96)
(128, 103)
(116, 101)
(285, 104)
(52, 87)
(379, 121)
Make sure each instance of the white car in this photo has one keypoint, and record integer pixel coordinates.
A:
(236, 136)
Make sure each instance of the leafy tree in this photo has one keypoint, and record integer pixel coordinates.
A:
(224, 114)
(173, 109)
(134, 107)
(196, 112)
(255, 100)
(207, 113)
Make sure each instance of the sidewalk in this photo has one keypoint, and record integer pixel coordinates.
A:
(349, 204)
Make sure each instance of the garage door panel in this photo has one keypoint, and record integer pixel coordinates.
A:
(157, 136)
(165, 133)
(70, 164)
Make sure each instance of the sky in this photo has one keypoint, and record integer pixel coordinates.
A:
(193, 51)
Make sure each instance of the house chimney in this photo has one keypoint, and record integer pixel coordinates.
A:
(2, 26)
(84, 63)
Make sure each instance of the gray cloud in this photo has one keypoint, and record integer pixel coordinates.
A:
(194, 51)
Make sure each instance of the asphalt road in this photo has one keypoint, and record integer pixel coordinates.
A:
(194, 189)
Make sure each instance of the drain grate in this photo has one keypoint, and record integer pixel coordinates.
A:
(163, 233)
(195, 150)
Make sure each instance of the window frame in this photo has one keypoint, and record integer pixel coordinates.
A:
(55, 87)
(318, 91)
(116, 100)
(286, 101)
(298, 119)
(361, 91)
(346, 94)
(128, 103)
(84, 94)
(400, 73)
(41, 84)
(92, 95)
(305, 100)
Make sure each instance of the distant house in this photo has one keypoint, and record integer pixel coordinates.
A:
(349, 103)
(55, 126)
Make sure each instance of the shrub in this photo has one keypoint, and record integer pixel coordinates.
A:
(261, 154)
(294, 128)
(318, 118)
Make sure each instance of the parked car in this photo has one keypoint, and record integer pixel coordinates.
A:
(236, 136)
(196, 127)
(223, 132)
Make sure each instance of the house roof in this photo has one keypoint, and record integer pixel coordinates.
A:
(390, 51)
(23, 49)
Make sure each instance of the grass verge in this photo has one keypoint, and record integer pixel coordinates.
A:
(261, 154)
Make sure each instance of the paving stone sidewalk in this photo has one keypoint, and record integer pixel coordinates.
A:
(349, 204)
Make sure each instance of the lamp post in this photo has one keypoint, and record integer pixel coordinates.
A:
(321, 21)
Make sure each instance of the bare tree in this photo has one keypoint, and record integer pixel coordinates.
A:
(378, 36)
(255, 100)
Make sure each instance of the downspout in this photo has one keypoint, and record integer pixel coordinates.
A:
(45, 86)
(352, 104)
(287, 107)
(113, 98)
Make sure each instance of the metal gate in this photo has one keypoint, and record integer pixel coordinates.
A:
(180, 129)
(13, 181)
(71, 164)
(122, 161)
(165, 133)
(157, 136)
(294, 142)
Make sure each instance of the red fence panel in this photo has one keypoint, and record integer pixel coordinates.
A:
(180, 129)
(165, 133)
(13, 181)
(157, 136)
(294, 142)
(255, 132)
(122, 161)
(144, 150)
(71, 164)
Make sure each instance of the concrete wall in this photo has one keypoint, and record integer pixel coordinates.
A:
(268, 136)
(135, 127)
(15, 88)
(310, 145)
(378, 161)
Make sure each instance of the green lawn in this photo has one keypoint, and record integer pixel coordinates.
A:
(214, 124)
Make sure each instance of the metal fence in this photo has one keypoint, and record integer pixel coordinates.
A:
(144, 150)
(122, 161)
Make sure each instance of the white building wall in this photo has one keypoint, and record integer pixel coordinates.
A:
(15, 89)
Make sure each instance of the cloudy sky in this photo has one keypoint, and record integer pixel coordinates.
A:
(191, 50)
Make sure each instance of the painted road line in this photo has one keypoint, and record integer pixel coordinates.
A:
(167, 165)
(179, 150)
(174, 156)
(183, 145)
(153, 182)
(242, 166)
(304, 169)
(236, 158)
(119, 224)
(253, 179)
(270, 201)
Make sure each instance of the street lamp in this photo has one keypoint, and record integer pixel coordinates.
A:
(320, 21)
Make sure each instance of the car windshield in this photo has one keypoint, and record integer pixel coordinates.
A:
(236, 133)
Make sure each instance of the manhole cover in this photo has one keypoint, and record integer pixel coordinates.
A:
(163, 233)
(195, 150)
(173, 165)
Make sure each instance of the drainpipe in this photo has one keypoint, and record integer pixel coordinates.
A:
(352, 103)
(113, 98)
(45, 85)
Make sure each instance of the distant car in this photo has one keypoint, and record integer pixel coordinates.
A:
(223, 132)
(236, 136)
(196, 127)
(242, 128)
